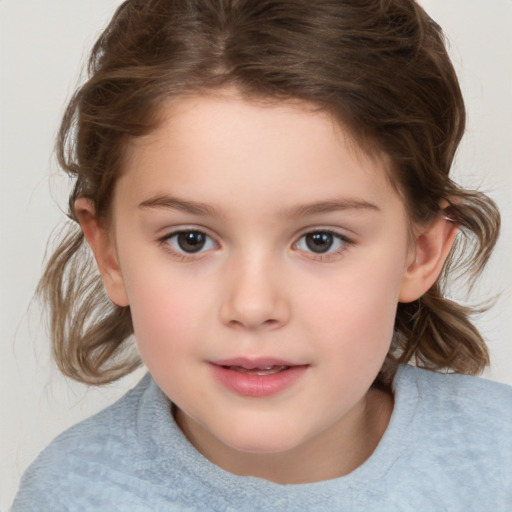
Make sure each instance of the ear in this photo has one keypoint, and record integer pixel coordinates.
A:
(102, 244)
(431, 248)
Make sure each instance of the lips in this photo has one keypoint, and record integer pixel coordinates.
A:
(258, 377)
(266, 370)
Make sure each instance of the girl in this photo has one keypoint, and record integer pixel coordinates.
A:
(265, 189)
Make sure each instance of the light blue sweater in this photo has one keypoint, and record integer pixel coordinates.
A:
(448, 446)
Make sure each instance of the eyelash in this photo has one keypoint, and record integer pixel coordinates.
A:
(330, 254)
(342, 241)
(182, 255)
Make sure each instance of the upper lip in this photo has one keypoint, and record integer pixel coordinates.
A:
(249, 363)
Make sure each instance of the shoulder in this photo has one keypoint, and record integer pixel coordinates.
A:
(459, 435)
(452, 401)
(462, 396)
(89, 455)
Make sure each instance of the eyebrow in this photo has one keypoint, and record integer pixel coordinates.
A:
(319, 207)
(173, 203)
(314, 208)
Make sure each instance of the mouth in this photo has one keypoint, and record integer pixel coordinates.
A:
(257, 378)
(265, 370)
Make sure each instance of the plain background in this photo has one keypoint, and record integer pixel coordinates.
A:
(43, 46)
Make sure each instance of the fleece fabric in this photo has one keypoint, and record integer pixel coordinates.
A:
(448, 447)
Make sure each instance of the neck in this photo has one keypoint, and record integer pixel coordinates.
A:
(337, 452)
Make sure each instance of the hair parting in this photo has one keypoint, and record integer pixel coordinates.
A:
(380, 67)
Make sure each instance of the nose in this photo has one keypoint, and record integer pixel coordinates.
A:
(255, 296)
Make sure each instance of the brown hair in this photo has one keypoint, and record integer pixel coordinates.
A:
(379, 66)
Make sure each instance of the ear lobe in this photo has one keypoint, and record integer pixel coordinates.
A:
(102, 244)
(431, 248)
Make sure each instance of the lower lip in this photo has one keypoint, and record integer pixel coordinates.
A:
(257, 385)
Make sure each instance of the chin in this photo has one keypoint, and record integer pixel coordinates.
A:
(264, 441)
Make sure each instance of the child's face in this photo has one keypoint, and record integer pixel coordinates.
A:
(252, 235)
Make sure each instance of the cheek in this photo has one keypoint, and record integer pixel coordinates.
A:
(357, 339)
(166, 313)
(357, 312)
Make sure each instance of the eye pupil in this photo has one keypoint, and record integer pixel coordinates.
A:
(319, 242)
(191, 241)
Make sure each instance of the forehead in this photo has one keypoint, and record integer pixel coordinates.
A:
(292, 148)
(229, 107)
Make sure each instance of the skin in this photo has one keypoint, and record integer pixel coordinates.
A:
(256, 178)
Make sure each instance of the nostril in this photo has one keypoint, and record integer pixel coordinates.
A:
(265, 324)
(251, 305)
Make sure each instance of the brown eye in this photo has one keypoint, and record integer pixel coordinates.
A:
(319, 242)
(322, 242)
(190, 242)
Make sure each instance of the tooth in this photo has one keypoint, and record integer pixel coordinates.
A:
(267, 370)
